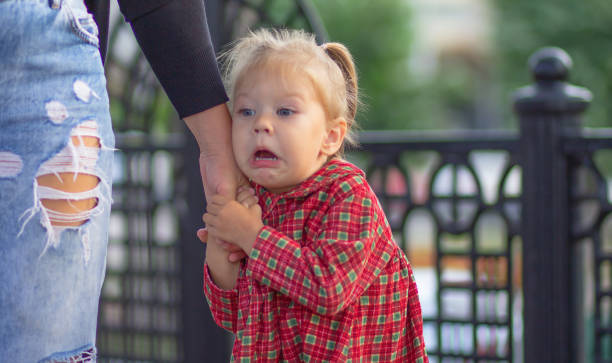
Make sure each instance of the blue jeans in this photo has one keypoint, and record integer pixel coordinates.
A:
(54, 125)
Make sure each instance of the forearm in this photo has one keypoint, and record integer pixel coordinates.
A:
(223, 273)
(223, 303)
(174, 37)
(212, 129)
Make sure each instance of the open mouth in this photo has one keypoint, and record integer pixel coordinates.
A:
(265, 155)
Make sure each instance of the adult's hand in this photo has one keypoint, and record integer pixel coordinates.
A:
(212, 130)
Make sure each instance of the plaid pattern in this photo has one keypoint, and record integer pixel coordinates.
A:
(325, 282)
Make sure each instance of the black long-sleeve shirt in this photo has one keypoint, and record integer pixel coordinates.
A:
(174, 37)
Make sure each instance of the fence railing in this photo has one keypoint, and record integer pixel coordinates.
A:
(453, 202)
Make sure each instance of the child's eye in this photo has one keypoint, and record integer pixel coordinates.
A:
(246, 112)
(285, 112)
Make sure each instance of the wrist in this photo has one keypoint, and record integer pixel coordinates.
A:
(216, 253)
(249, 245)
(211, 129)
(223, 273)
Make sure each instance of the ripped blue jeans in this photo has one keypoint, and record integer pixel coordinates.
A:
(55, 133)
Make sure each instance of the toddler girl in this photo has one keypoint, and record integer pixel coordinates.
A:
(324, 280)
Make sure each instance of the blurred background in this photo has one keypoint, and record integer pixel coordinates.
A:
(427, 69)
(435, 64)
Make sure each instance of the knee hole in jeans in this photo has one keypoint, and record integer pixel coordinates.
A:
(69, 196)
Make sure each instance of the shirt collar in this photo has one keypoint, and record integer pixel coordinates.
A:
(328, 173)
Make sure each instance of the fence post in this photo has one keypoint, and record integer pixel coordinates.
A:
(547, 110)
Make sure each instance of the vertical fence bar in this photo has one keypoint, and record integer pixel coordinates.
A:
(547, 110)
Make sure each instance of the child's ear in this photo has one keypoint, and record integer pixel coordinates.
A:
(335, 136)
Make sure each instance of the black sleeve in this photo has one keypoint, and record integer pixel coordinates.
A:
(174, 37)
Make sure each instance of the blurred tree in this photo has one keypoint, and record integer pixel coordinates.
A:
(397, 95)
(378, 35)
(582, 28)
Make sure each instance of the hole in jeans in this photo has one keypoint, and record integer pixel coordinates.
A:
(68, 188)
(69, 196)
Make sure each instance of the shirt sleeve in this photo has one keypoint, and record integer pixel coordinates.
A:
(223, 303)
(330, 273)
(175, 39)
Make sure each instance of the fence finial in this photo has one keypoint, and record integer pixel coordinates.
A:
(551, 93)
(551, 63)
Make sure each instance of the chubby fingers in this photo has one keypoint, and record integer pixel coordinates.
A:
(245, 188)
(246, 196)
(235, 253)
(216, 202)
(202, 234)
(236, 256)
(209, 219)
(249, 202)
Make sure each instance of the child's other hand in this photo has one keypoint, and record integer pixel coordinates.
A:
(246, 196)
(235, 253)
(234, 222)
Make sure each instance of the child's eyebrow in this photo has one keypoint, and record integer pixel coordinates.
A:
(296, 96)
(242, 94)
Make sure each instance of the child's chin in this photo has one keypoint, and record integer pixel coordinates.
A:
(275, 187)
(265, 179)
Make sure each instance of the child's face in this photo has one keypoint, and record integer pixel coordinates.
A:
(279, 133)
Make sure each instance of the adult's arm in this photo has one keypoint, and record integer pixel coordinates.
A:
(175, 39)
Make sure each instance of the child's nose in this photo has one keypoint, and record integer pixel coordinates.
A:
(262, 125)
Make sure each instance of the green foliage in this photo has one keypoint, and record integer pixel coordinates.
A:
(380, 37)
(582, 28)
(377, 34)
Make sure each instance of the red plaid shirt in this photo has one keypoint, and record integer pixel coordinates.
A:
(325, 281)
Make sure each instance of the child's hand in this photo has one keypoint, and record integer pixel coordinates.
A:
(235, 253)
(246, 196)
(234, 222)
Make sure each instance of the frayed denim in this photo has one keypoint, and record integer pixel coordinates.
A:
(52, 99)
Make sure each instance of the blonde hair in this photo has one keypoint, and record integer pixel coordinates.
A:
(298, 50)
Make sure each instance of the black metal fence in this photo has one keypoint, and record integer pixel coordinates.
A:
(510, 234)
(453, 201)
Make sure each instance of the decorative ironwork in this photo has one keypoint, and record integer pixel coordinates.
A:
(456, 196)
(139, 315)
(590, 197)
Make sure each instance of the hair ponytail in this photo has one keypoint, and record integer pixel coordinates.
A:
(342, 57)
